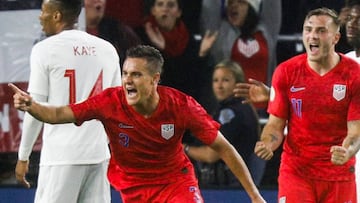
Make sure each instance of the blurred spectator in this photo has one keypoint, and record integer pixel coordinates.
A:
(250, 48)
(240, 126)
(184, 68)
(343, 46)
(213, 13)
(190, 13)
(117, 33)
(241, 38)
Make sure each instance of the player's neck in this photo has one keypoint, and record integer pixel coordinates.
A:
(324, 65)
(148, 107)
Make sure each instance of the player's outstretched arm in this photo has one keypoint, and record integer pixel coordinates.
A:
(47, 114)
(254, 91)
(237, 165)
(201, 153)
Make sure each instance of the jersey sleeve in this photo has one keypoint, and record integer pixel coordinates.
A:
(91, 108)
(202, 125)
(39, 80)
(81, 111)
(278, 104)
(30, 132)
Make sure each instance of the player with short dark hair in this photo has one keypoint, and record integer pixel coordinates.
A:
(145, 124)
(67, 67)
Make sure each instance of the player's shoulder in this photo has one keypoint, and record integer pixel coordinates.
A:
(172, 95)
(112, 93)
(178, 102)
(114, 90)
(349, 66)
(292, 63)
(347, 59)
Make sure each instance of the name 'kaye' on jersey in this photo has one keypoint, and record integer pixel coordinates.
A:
(84, 51)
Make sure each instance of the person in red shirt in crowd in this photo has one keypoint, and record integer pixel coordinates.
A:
(250, 49)
(317, 96)
(145, 124)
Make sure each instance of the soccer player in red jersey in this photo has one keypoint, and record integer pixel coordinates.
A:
(317, 96)
(145, 124)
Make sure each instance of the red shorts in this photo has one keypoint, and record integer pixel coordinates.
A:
(184, 191)
(296, 189)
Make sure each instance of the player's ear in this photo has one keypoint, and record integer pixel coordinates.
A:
(337, 37)
(156, 78)
(57, 15)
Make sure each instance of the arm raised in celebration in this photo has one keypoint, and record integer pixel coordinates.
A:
(48, 114)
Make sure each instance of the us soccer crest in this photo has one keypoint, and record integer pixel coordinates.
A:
(167, 131)
(339, 92)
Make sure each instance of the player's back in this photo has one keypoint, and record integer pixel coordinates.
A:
(76, 64)
(68, 68)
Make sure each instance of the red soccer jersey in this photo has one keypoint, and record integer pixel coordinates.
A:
(148, 150)
(317, 109)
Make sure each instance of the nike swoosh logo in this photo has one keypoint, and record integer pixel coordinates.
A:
(296, 89)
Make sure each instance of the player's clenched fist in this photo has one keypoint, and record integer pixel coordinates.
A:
(339, 155)
(263, 151)
(22, 100)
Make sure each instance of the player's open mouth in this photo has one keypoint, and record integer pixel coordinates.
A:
(131, 92)
(314, 47)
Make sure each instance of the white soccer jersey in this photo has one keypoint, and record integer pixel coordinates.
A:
(352, 55)
(68, 68)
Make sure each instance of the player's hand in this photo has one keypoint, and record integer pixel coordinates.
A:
(254, 91)
(339, 155)
(263, 151)
(22, 100)
(22, 167)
